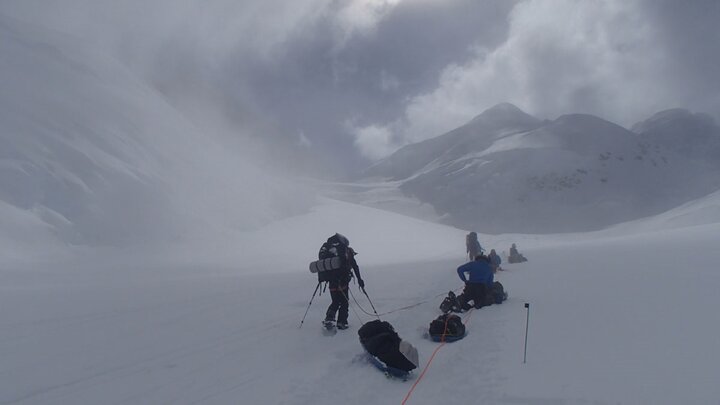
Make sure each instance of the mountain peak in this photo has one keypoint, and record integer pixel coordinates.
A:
(503, 108)
(505, 114)
(678, 118)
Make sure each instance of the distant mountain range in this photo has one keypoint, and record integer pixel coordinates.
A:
(506, 171)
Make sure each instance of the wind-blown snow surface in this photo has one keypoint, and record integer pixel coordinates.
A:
(91, 155)
(622, 317)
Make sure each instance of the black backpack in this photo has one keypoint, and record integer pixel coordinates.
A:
(332, 263)
(450, 303)
(498, 293)
(374, 328)
(448, 326)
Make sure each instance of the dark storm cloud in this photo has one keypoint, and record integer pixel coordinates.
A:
(337, 81)
(291, 72)
(315, 87)
(415, 42)
(690, 33)
(621, 60)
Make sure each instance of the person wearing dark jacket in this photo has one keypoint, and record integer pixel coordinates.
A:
(339, 288)
(494, 260)
(478, 284)
(472, 245)
(515, 256)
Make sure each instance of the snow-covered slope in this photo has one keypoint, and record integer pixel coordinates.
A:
(93, 156)
(703, 211)
(623, 318)
(575, 173)
(694, 136)
(496, 122)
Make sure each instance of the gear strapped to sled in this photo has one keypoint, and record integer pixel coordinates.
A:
(389, 353)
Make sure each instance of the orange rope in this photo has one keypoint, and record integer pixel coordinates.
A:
(442, 343)
(422, 374)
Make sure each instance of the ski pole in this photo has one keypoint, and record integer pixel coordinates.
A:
(527, 324)
(370, 301)
(310, 303)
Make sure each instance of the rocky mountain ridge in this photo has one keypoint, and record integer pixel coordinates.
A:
(506, 171)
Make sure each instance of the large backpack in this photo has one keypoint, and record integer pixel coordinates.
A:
(498, 293)
(332, 259)
(447, 328)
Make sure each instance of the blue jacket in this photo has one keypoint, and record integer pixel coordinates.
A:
(479, 270)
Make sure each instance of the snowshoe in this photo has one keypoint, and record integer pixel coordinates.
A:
(329, 328)
(450, 304)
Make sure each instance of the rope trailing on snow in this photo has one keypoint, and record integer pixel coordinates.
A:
(427, 365)
(346, 299)
(397, 309)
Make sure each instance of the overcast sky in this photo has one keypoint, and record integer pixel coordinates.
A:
(356, 79)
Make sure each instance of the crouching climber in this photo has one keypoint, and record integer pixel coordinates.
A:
(478, 283)
(515, 256)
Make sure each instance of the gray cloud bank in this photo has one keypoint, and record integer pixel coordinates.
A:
(620, 60)
(331, 82)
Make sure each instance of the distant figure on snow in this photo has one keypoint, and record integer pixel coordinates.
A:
(472, 245)
(515, 256)
(495, 261)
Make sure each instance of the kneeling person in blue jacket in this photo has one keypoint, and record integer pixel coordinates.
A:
(478, 284)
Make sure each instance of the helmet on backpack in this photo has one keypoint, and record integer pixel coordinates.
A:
(339, 238)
